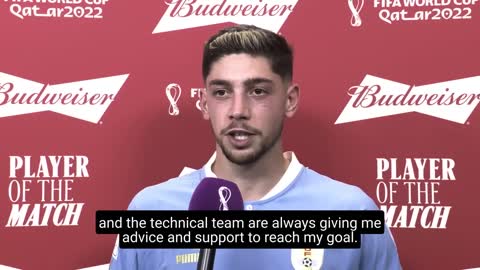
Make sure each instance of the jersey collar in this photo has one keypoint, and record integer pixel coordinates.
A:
(290, 174)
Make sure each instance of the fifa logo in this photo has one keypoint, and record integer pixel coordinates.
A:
(224, 194)
(173, 92)
(355, 8)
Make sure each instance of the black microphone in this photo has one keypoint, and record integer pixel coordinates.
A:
(214, 194)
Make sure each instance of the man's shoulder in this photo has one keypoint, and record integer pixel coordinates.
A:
(171, 194)
(337, 193)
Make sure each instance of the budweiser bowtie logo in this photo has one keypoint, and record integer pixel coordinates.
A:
(86, 100)
(376, 97)
(184, 14)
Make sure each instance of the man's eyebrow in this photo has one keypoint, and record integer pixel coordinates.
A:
(219, 82)
(253, 81)
(247, 83)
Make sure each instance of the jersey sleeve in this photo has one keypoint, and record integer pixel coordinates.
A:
(379, 251)
(124, 259)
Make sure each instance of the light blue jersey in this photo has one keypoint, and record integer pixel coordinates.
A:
(300, 189)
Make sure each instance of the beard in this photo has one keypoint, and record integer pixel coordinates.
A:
(254, 152)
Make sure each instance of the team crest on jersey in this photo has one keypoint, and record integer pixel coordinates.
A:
(307, 258)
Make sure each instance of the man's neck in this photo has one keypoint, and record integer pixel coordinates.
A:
(254, 180)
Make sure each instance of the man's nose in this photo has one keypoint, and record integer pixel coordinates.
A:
(240, 107)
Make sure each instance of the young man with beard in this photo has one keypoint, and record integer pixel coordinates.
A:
(249, 93)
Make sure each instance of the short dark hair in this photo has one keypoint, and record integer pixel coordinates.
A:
(251, 40)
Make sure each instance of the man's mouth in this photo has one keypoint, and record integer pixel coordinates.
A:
(239, 134)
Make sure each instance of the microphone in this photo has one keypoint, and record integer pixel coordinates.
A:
(214, 194)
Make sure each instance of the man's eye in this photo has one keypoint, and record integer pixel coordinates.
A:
(220, 93)
(258, 92)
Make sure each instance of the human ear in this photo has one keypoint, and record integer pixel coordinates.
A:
(203, 104)
(293, 98)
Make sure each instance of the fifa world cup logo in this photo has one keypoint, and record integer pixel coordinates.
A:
(173, 92)
(355, 8)
(224, 193)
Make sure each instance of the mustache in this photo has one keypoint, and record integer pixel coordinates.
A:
(238, 125)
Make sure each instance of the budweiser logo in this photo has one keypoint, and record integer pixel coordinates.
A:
(86, 100)
(376, 97)
(184, 14)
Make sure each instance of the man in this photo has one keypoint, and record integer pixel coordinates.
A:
(249, 92)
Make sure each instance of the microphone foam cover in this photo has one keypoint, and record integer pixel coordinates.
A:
(216, 194)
